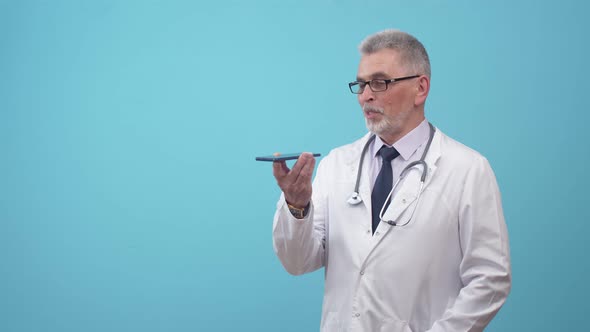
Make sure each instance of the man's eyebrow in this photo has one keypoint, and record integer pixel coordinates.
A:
(377, 75)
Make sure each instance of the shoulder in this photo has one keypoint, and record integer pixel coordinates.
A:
(455, 152)
(462, 160)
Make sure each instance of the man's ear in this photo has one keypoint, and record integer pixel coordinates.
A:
(423, 88)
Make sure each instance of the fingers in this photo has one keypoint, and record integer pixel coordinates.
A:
(303, 169)
(280, 169)
(296, 182)
(305, 162)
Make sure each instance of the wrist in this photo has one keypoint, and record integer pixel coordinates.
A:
(298, 212)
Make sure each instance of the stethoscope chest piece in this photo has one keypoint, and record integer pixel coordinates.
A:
(355, 198)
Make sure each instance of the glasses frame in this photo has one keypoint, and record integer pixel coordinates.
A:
(363, 84)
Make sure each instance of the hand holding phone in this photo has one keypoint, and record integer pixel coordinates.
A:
(295, 183)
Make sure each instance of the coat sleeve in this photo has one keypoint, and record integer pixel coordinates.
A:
(485, 266)
(300, 243)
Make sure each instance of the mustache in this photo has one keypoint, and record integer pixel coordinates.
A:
(370, 108)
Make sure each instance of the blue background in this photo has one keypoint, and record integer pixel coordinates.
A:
(129, 195)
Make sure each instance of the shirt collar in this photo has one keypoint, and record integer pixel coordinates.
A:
(407, 145)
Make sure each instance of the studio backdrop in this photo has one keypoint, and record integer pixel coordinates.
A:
(130, 199)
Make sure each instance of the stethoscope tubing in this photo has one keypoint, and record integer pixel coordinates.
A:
(355, 198)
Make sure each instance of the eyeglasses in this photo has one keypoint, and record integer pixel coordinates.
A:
(357, 87)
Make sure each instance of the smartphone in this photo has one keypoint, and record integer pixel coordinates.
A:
(283, 156)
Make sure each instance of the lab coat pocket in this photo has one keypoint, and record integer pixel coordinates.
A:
(393, 325)
(401, 208)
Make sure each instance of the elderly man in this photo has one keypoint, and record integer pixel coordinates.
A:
(407, 222)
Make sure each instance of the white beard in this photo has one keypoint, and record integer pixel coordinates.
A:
(389, 124)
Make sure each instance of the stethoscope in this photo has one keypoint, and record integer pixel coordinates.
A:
(355, 198)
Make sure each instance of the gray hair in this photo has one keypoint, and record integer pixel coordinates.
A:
(411, 50)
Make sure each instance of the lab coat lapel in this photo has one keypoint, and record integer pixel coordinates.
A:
(432, 157)
(363, 247)
(364, 185)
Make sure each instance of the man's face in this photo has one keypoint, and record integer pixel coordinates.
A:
(392, 112)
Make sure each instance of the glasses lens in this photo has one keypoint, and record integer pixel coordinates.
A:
(378, 85)
(356, 87)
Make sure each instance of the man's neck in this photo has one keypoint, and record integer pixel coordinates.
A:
(391, 138)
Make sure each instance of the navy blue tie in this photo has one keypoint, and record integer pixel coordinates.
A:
(383, 183)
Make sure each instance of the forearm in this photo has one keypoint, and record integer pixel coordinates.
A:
(298, 242)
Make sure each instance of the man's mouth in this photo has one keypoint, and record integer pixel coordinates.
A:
(371, 112)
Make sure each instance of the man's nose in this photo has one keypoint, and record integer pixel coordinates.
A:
(366, 95)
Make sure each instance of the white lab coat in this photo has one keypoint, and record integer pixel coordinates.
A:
(447, 270)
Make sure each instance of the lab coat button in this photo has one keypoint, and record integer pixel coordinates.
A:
(362, 272)
(377, 233)
(404, 201)
(357, 314)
